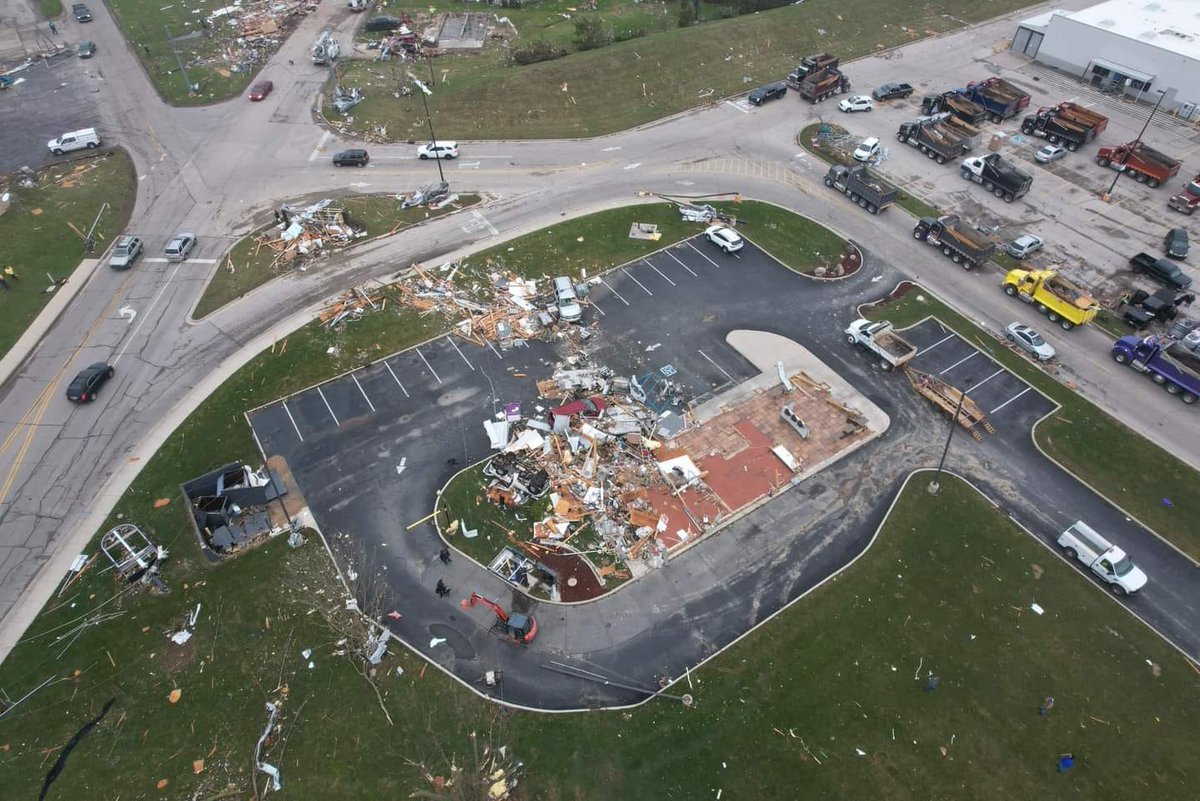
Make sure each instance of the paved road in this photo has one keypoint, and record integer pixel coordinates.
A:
(210, 170)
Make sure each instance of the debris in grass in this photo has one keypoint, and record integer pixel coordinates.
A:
(1037, 608)
(174, 696)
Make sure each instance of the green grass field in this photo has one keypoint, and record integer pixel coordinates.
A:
(254, 266)
(42, 232)
(785, 714)
(1135, 473)
(635, 82)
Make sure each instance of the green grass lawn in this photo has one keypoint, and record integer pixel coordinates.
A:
(51, 9)
(635, 82)
(254, 265)
(146, 25)
(946, 588)
(463, 500)
(36, 234)
(1132, 471)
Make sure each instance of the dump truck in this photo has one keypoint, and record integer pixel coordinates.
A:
(862, 186)
(1165, 360)
(958, 105)
(963, 130)
(997, 176)
(933, 139)
(1144, 163)
(1188, 198)
(809, 65)
(816, 86)
(1000, 98)
(1052, 125)
(1081, 115)
(882, 340)
(1054, 296)
(957, 240)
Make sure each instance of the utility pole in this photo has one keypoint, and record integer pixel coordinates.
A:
(192, 88)
(1107, 196)
(935, 485)
(425, 92)
(90, 240)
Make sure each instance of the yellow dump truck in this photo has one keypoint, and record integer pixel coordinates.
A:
(1054, 296)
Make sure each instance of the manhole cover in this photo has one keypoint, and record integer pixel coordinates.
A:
(572, 581)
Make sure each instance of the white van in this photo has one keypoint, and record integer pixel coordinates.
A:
(74, 140)
(1106, 560)
(569, 309)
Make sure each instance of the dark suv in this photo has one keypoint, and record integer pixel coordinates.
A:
(1175, 244)
(772, 91)
(891, 91)
(351, 158)
(1160, 270)
(81, 12)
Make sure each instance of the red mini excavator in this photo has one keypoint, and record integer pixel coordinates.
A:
(516, 627)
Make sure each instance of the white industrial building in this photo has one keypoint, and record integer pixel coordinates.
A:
(1137, 47)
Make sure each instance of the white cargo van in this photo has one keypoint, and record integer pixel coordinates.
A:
(74, 140)
(569, 309)
(1106, 560)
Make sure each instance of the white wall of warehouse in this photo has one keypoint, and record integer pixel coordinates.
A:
(1070, 46)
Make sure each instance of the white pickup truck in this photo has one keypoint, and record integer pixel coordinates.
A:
(1106, 560)
(882, 340)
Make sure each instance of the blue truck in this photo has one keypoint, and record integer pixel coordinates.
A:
(1001, 99)
(1166, 360)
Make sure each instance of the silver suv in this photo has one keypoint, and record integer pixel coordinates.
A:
(179, 247)
(128, 248)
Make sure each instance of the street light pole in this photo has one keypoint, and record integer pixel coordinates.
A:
(935, 485)
(1107, 196)
(429, 118)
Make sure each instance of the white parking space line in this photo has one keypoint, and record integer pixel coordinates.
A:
(660, 272)
(734, 104)
(427, 364)
(714, 364)
(629, 275)
(293, 419)
(493, 347)
(966, 358)
(681, 264)
(393, 372)
(202, 261)
(330, 408)
(984, 381)
(615, 292)
(459, 352)
(1010, 400)
(706, 258)
(597, 308)
(363, 391)
(935, 344)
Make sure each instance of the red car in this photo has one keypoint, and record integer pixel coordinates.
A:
(260, 90)
(588, 407)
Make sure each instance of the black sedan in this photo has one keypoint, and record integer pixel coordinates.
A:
(891, 91)
(88, 382)
(81, 12)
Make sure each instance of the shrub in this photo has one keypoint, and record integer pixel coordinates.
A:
(532, 53)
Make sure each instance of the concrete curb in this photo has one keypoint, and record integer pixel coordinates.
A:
(46, 318)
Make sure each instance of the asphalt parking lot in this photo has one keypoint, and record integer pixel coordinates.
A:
(52, 98)
(1011, 404)
(668, 334)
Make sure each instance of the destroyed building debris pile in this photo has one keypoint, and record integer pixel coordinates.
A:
(251, 32)
(302, 232)
(625, 481)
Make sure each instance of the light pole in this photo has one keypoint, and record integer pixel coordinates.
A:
(428, 118)
(90, 240)
(934, 485)
(1107, 196)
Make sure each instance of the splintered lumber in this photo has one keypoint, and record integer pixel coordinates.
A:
(948, 399)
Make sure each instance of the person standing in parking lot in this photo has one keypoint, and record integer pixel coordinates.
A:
(53, 28)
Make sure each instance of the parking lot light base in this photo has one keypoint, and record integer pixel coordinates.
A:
(1106, 197)
(933, 487)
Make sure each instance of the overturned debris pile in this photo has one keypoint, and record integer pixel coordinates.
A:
(501, 309)
(250, 32)
(303, 232)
